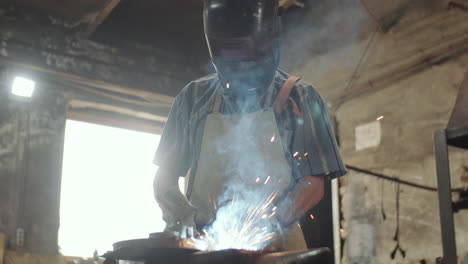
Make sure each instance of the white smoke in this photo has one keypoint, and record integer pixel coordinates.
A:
(246, 215)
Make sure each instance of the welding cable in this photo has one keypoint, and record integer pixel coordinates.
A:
(396, 237)
(382, 210)
(361, 63)
(395, 179)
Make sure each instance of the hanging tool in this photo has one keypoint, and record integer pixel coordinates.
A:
(382, 210)
(396, 237)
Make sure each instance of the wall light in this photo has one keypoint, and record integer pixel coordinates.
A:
(23, 87)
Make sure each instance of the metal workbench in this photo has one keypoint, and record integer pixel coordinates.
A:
(457, 137)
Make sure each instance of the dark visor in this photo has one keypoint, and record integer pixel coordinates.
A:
(238, 18)
(246, 48)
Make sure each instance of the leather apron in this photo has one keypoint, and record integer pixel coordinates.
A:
(243, 148)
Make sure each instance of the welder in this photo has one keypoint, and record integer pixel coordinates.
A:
(243, 38)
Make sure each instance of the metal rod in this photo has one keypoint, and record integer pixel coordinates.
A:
(447, 227)
(336, 221)
(395, 179)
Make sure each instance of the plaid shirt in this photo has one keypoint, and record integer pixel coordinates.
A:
(310, 134)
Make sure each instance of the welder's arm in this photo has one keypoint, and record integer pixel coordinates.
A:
(177, 211)
(307, 193)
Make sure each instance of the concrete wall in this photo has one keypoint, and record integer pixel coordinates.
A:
(410, 75)
(31, 146)
(413, 109)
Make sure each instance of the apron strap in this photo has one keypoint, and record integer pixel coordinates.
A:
(269, 97)
(283, 95)
(217, 102)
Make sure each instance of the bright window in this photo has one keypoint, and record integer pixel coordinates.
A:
(107, 188)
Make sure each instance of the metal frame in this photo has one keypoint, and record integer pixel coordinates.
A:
(336, 221)
(442, 138)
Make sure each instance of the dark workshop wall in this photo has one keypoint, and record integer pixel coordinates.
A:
(410, 75)
(31, 145)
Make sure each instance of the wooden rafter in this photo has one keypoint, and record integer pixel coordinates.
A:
(288, 3)
(79, 104)
(138, 74)
(108, 119)
(99, 17)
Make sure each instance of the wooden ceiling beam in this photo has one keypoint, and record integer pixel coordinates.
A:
(108, 119)
(81, 104)
(99, 17)
(148, 75)
(288, 3)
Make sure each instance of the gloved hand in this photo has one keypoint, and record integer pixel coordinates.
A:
(178, 213)
(186, 230)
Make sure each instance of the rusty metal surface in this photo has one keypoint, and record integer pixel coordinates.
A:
(167, 250)
(309, 256)
(157, 246)
(229, 256)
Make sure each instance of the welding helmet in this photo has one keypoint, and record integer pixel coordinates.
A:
(243, 41)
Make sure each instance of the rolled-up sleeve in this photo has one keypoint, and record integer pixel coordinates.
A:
(314, 147)
(173, 152)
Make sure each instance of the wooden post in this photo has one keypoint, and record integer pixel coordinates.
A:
(2, 247)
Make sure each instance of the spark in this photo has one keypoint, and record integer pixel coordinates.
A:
(299, 158)
(341, 230)
(233, 201)
(228, 85)
(212, 201)
(267, 180)
(257, 180)
(312, 217)
(271, 215)
(298, 164)
(272, 138)
(299, 225)
(295, 154)
(306, 154)
(239, 227)
(380, 118)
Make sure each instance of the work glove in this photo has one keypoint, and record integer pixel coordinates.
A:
(178, 212)
(181, 230)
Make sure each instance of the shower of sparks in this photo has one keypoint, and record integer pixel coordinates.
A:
(295, 154)
(380, 118)
(240, 226)
(267, 180)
